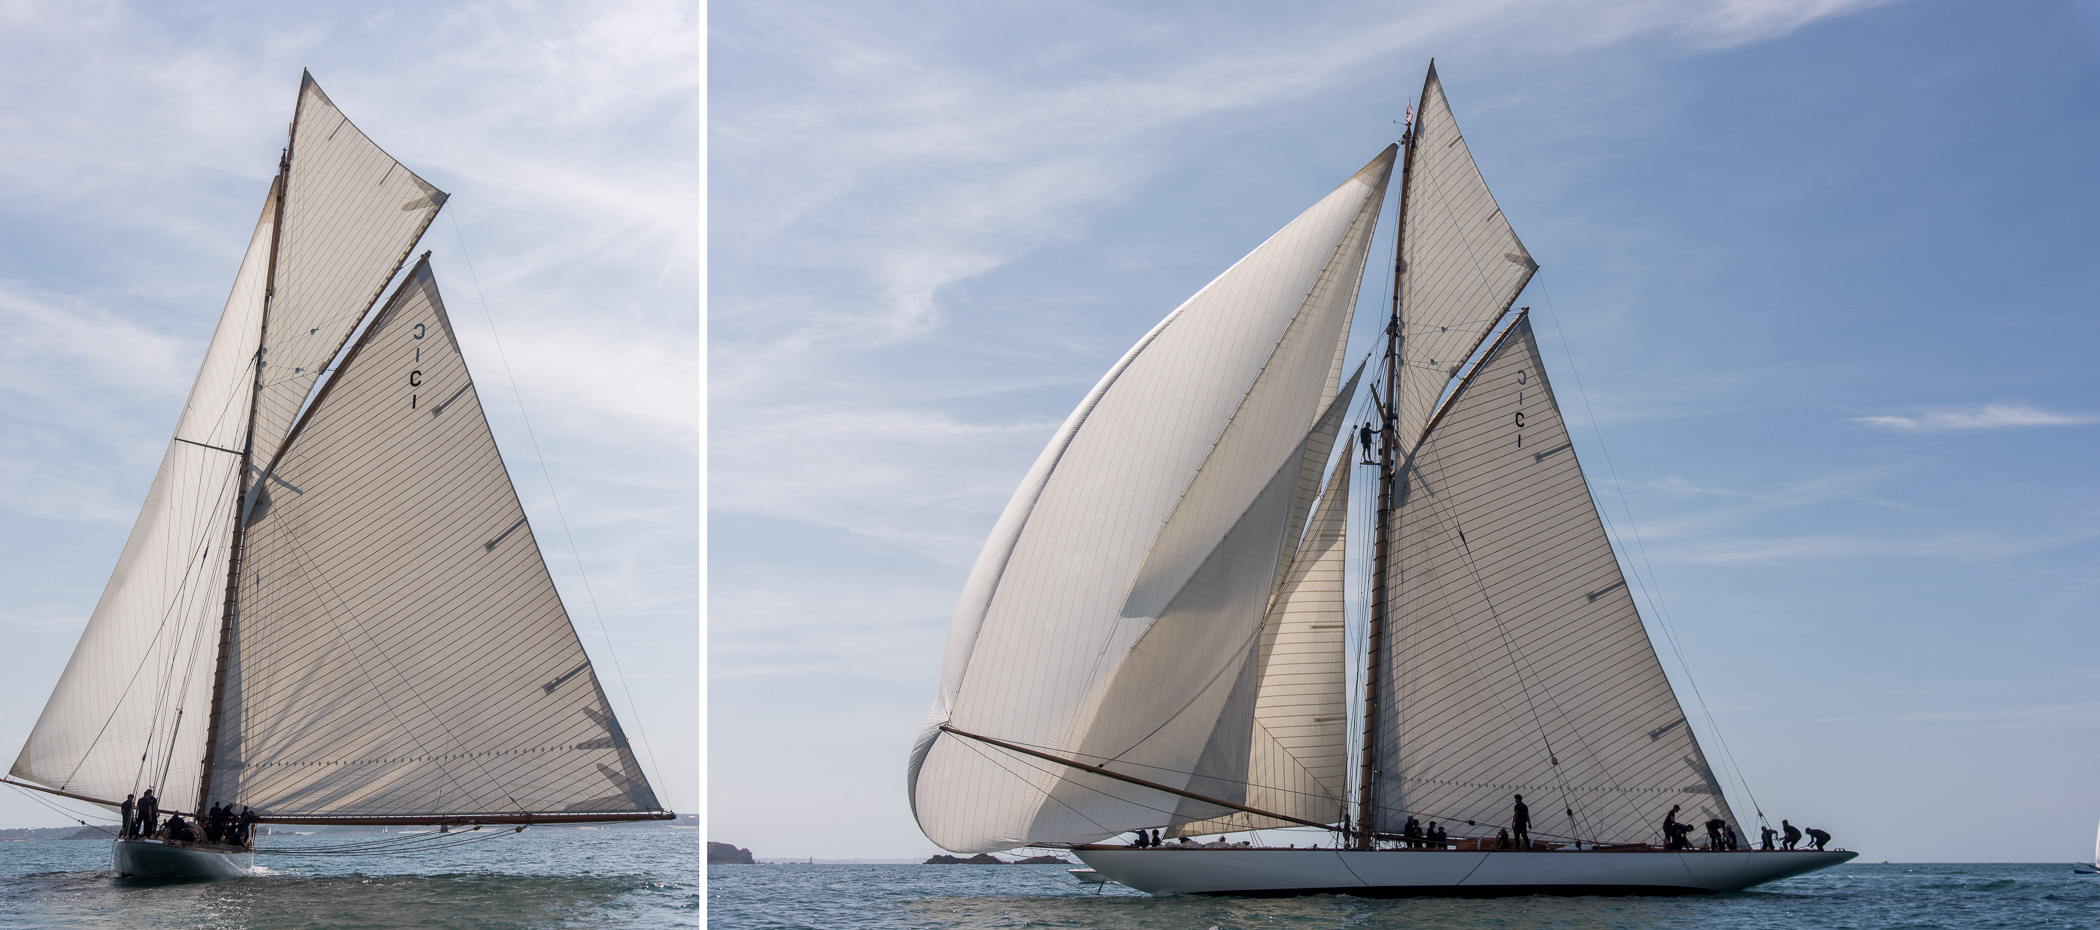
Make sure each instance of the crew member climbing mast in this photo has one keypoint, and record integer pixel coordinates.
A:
(1366, 816)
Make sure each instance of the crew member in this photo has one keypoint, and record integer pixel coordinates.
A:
(1818, 838)
(1520, 824)
(1790, 834)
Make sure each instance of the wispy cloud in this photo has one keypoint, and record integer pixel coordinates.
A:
(1986, 416)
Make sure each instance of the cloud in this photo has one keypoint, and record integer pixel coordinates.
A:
(1987, 416)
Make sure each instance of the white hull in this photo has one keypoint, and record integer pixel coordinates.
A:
(155, 859)
(1447, 873)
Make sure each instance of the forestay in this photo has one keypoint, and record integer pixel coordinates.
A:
(129, 710)
(1516, 661)
(399, 648)
(1461, 263)
(1112, 614)
(351, 216)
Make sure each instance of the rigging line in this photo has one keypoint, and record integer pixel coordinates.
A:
(311, 574)
(1143, 765)
(61, 811)
(1662, 609)
(145, 655)
(1103, 771)
(1443, 505)
(634, 709)
(995, 760)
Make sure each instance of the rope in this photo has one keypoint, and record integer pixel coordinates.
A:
(634, 710)
(1655, 596)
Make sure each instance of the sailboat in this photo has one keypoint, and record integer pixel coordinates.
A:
(332, 608)
(1155, 635)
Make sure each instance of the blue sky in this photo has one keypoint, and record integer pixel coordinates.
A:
(137, 141)
(1816, 288)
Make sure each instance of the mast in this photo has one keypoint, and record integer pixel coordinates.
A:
(240, 523)
(1374, 640)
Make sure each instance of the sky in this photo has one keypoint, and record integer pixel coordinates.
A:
(1817, 291)
(137, 143)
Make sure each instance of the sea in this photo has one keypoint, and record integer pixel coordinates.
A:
(637, 877)
(982, 897)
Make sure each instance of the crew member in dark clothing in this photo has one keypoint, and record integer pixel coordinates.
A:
(1142, 840)
(1769, 833)
(1670, 825)
(1520, 824)
(148, 814)
(1713, 833)
(211, 823)
(1411, 833)
(1817, 838)
(1155, 838)
(1790, 835)
(1502, 839)
(1364, 437)
(1728, 836)
(245, 832)
(130, 803)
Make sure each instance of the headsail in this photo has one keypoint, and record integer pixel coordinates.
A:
(1461, 265)
(1517, 663)
(1113, 613)
(1298, 749)
(352, 214)
(128, 712)
(399, 649)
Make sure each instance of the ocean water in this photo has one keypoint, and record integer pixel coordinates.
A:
(962, 897)
(643, 878)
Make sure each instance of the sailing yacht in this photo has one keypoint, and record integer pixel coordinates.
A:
(1155, 634)
(332, 608)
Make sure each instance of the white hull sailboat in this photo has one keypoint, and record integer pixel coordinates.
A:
(332, 609)
(1156, 635)
(1451, 873)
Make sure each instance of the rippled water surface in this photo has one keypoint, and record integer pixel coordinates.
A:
(540, 878)
(1850, 897)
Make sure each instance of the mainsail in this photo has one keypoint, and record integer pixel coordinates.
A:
(399, 648)
(1112, 616)
(1516, 662)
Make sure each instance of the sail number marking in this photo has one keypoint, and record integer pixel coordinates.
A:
(415, 378)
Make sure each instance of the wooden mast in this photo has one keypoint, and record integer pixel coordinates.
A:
(240, 523)
(1388, 446)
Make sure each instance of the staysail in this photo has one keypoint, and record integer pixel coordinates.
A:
(399, 649)
(129, 710)
(1461, 263)
(1298, 749)
(1112, 615)
(1516, 662)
